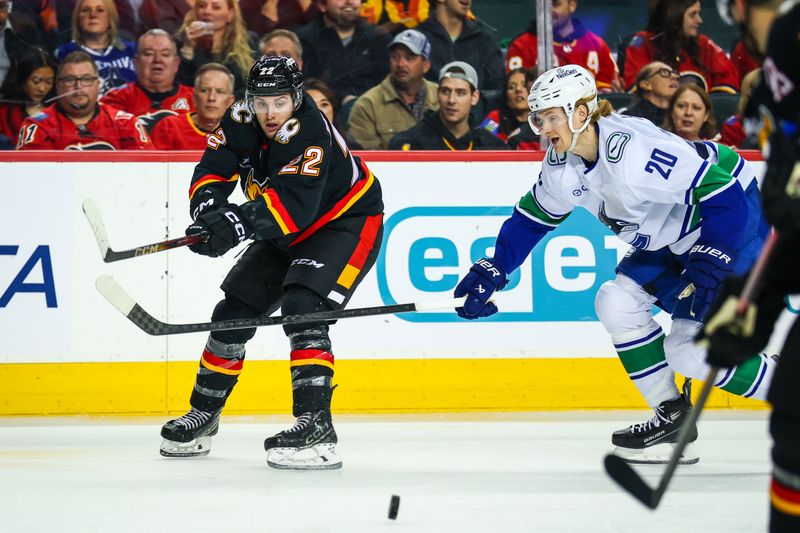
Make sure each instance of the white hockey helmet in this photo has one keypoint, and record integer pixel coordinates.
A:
(562, 87)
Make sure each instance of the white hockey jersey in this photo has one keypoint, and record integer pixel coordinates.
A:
(647, 185)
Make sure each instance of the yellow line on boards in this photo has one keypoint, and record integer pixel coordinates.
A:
(365, 386)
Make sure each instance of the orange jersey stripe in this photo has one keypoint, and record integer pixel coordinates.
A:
(279, 212)
(366, 242)
(353, 195)
(306, 362)
(209, 178)
(785, 499)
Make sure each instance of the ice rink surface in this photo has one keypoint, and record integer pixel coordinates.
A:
(530, 472)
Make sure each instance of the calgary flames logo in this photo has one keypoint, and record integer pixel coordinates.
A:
(255, 187)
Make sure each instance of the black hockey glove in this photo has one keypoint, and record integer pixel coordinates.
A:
(706, 268)
(225, 227)
(730, 338)
(483, 278)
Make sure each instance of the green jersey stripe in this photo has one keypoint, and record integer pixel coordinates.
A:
(530, 207)
(714, 182)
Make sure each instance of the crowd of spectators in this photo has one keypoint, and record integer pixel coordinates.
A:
(390, 74)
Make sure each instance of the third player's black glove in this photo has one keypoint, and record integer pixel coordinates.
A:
(730, 338)
(225, 227)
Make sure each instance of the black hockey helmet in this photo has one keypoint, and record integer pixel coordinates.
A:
(273, 75)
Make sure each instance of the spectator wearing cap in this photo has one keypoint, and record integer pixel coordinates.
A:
(343, 50)
(282, 42)
(156, 93)
(454, 37)
(655, 85)
(452, 126)
(399, 101)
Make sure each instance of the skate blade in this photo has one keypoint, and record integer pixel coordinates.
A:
(319, 457)
(194, 448)
(656, 455)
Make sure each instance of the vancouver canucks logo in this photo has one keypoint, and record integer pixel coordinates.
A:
(554, 158)
(615, 225)
(615, 145)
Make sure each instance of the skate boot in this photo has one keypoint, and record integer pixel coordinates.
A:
(651, 442)
(309, 445)
(189, 435)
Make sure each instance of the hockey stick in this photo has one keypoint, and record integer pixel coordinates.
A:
(621, 471)
(109, 256)
(116, 295)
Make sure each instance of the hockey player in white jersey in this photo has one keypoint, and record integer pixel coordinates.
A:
(691, 221)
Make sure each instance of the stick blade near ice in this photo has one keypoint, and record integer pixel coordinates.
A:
(98, 228)
(115, 294)
(622, 472)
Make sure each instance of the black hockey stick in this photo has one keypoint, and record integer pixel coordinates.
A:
(109, 256)
(621, 471)
(116, 295)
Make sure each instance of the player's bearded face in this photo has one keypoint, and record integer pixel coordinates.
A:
(552, 123)
(272, 112)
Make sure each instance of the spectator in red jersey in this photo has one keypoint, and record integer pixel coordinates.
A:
(156, 93)
(282, 42)
(165, 14)
(512, 115)
(673, 37)
(732, 132)
(655, 85)
(690, 114)
(572, 44)
(77, 121)
(23, 93)
(213, 31)
(743, 60)
(263, 16)
(213, 95)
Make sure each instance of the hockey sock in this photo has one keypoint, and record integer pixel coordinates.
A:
(220, 366)
(642, 354)
(312, 370)
(785, 500)
(751, 379)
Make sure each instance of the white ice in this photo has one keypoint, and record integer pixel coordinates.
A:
(532, 472)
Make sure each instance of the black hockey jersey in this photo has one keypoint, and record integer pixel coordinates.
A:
(302, 179)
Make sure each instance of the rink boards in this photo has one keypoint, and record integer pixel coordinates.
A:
(64, 349)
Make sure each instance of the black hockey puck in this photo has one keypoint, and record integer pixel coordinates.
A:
(394, 505)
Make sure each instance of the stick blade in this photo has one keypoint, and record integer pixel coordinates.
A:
(98, 228)
(115, 294)
(627, 478)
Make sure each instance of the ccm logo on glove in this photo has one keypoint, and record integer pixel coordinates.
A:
(238, 227)
(713, 252)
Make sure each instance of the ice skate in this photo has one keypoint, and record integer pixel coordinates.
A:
(309, 445)
(190, 435)
(651, 442)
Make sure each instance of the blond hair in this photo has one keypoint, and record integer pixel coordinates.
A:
(113, 23)
(235, 44)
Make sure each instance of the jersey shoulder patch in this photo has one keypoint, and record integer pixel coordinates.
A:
(554, 159)
(616, 144)
(289, 129)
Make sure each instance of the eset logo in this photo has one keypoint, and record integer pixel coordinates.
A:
(427, 250)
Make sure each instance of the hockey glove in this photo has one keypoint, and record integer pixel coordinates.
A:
(731, 339)
(483, 278)
(706, 268)
(225, 227)
(780, 191)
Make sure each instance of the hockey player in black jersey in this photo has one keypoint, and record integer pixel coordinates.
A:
(770, 28)
(315, 213)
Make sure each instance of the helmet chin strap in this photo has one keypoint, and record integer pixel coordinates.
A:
(576, 133)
